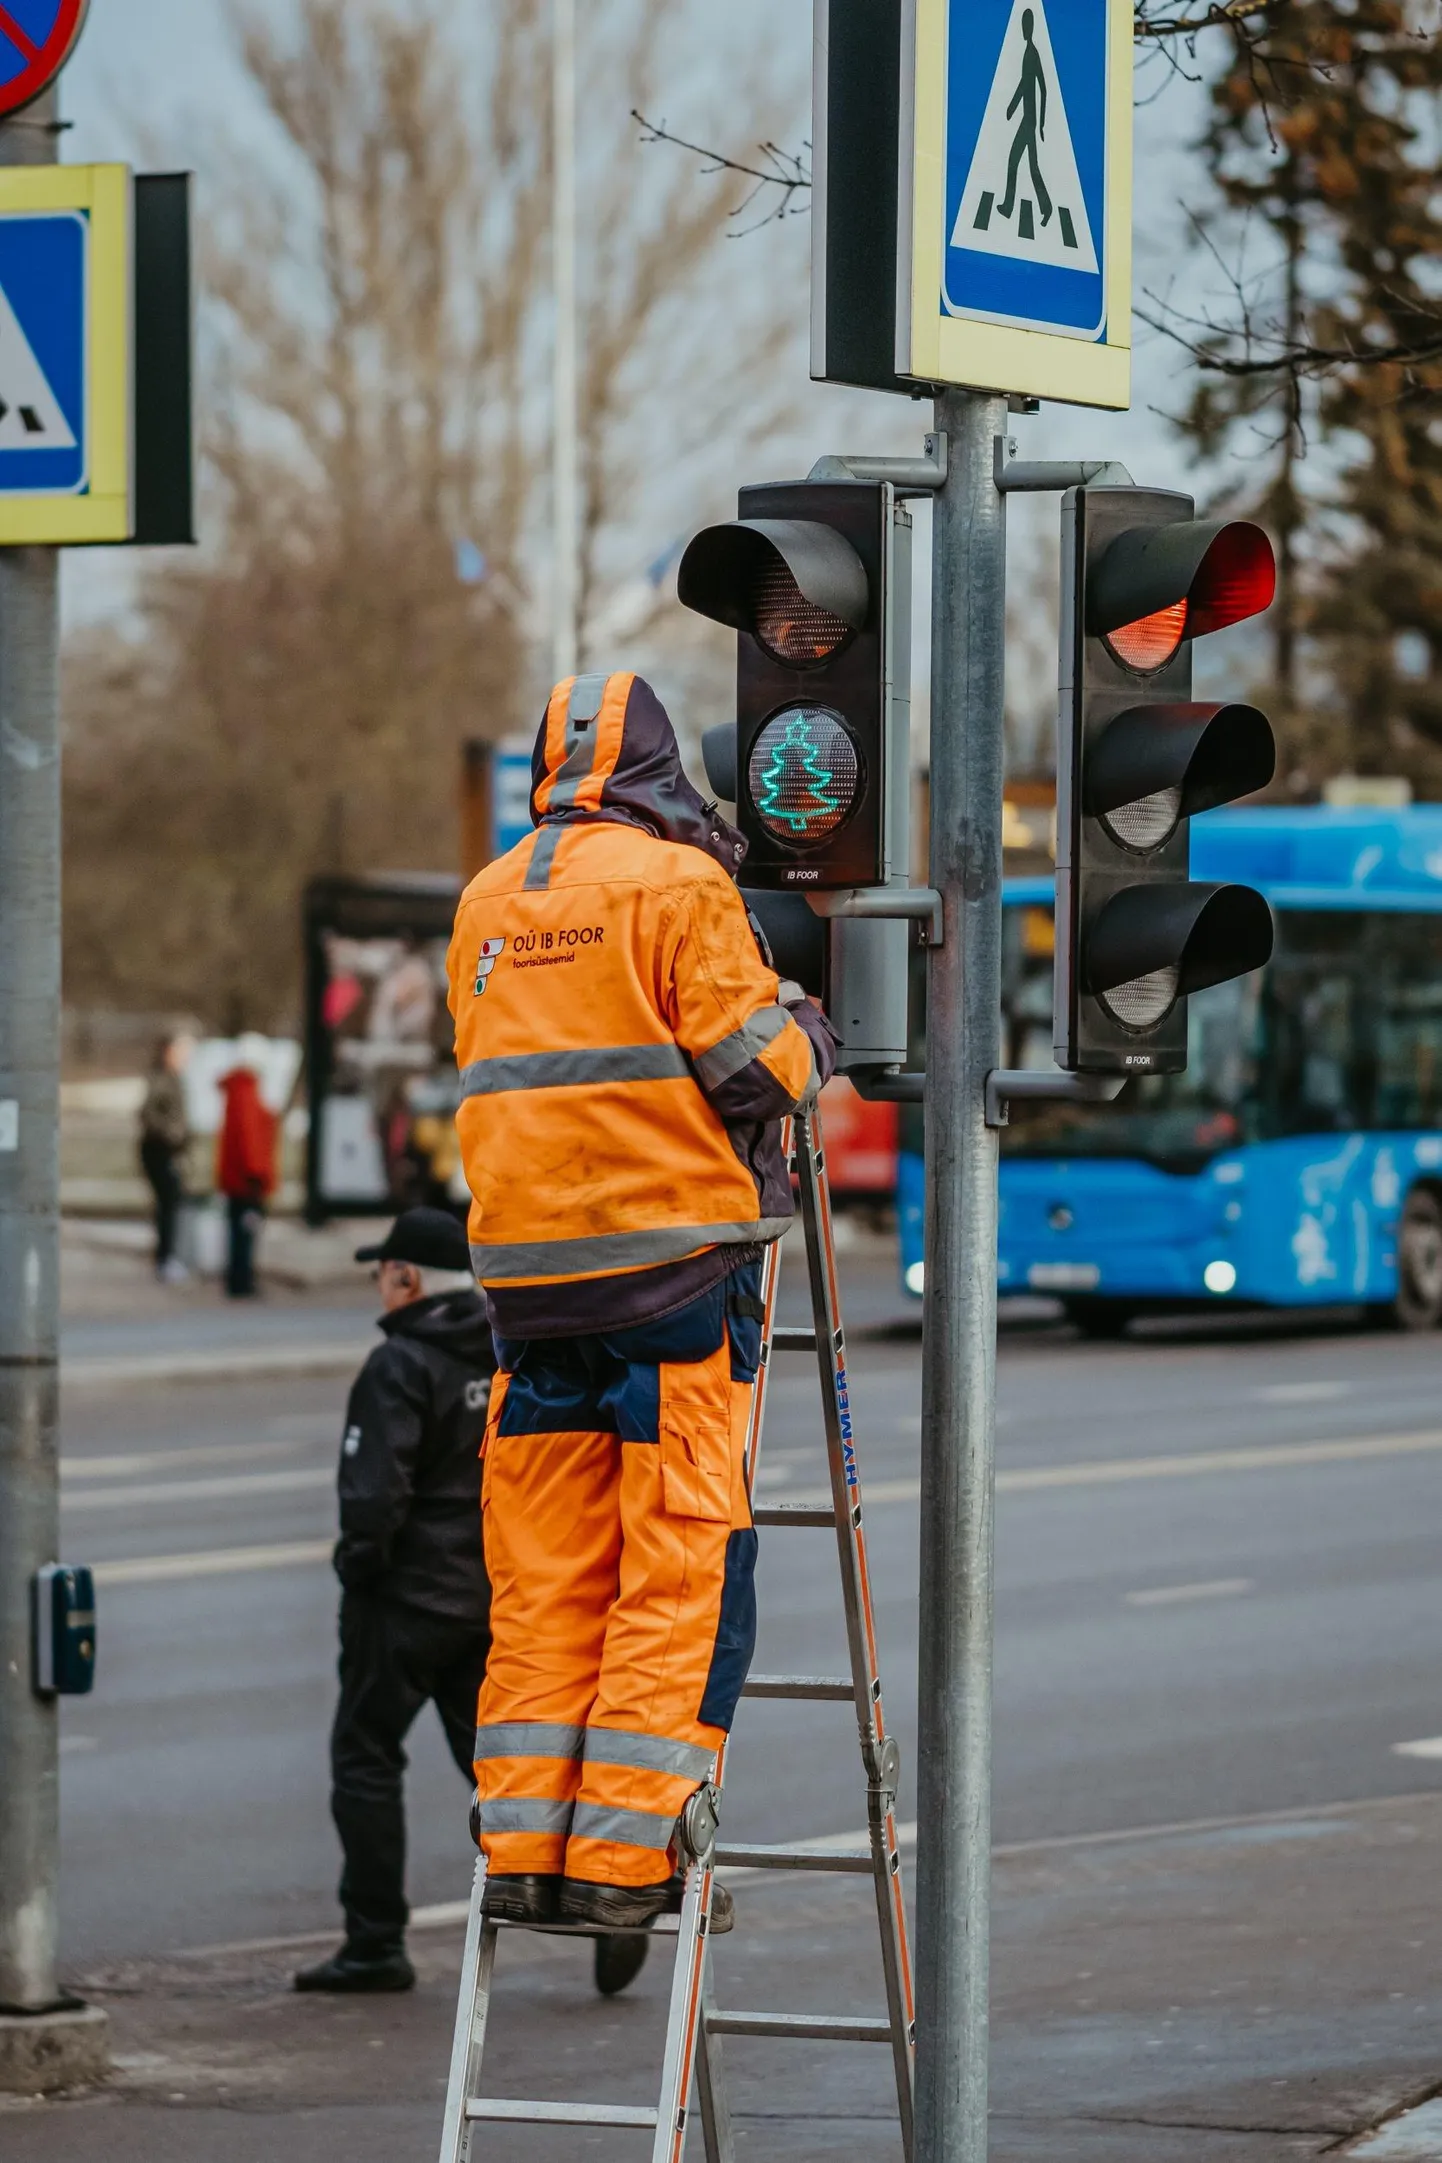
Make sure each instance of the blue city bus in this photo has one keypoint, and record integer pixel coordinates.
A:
(1298, 1160)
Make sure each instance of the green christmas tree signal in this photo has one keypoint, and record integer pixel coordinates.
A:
(780, 778)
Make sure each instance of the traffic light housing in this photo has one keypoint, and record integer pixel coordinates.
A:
(1137, 756)
(814, 576)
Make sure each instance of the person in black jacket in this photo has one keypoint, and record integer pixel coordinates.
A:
(415, 1598)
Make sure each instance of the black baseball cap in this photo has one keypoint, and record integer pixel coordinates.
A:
(431, 1238)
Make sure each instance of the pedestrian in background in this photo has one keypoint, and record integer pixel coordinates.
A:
(164, 1139)
(415, 1598)
(245, 1173)
(415, 1603)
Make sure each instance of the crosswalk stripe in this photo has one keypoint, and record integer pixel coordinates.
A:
(213, 1562)
(226, 1487)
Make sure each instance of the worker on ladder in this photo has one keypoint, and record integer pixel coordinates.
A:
(626, 1056)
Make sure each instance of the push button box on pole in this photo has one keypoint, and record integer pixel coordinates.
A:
(64, 1630)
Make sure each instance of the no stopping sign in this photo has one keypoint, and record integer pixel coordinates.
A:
(36, 37)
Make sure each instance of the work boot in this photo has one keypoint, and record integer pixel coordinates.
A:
(723, 1907)
(615, 1907)
(619, 1961)
(529, 1899)
(350, 1971)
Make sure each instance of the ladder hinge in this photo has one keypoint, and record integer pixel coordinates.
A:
(883, 1769)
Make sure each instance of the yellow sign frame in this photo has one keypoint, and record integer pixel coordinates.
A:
(934, 347)
(105, 509)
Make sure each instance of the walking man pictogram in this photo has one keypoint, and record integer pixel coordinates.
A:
(1031, 97)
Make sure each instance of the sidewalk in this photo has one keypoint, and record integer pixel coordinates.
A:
(1244, 1992)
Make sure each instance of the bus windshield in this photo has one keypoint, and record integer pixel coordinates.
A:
(1341, 1031)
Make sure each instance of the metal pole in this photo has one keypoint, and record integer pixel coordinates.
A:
(29, 1217)
(953, 1863)
(565, 490)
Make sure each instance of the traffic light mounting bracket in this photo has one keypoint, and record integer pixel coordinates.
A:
(1007, 1085)
(920, 902)
(908, 476)
(1039, 476)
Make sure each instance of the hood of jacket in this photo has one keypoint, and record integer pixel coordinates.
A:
(607, 750)
(456, 1322)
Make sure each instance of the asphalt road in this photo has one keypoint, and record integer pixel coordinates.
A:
(1217, 1557)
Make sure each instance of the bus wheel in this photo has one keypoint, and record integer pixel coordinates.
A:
(1419, 1262)
(1099, 1318)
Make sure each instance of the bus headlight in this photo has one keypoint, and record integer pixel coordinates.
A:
(915, 1279)
(1220, 1277)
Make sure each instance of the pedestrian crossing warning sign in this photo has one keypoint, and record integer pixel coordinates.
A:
(1020, 198)
(1023, 195)
(65, 354)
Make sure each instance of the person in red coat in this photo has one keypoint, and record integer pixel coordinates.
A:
(245, 1173)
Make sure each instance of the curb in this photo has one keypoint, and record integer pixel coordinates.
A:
(41, 2052)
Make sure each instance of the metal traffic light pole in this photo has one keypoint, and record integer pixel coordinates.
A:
(966, 1093)
(29, 1218)
(958, 1391)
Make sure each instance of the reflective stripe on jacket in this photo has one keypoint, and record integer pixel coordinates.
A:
(618, 1034)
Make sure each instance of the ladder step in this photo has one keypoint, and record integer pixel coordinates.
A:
(856, 1860)
(840, 1687)
(813, 2027)
(793, 1340)
(664, 1926)
(518, 2113)
(794, 1513)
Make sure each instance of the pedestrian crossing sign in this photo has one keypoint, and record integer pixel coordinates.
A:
(1016, 197)
(65, 354)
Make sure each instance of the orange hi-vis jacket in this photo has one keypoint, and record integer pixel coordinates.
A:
(622, 1051)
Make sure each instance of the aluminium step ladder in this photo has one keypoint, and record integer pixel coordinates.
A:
(695, 2023)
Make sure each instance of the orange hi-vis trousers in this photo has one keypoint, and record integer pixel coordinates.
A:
(621, 1555)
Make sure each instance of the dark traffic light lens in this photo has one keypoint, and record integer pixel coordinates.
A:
(1146, 823)
(791, 628)
(1145, 1000)
(804, 775)
(1149, 643)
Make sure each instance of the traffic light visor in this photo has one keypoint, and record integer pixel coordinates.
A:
(1151, 945)
(804, 775)
(795, 586)
(1155, 765)
(1157, 585)
(718, 756)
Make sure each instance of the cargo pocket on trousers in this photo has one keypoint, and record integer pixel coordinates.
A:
(696, 1461)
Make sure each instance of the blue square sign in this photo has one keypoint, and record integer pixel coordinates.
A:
(1026, 157)
(44, 287)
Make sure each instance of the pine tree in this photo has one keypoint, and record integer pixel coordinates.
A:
(1326, 135)
(780, 772)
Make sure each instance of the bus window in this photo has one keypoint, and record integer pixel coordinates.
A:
(1404, 992)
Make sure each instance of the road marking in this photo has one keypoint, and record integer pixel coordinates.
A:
(1212, 1588)
(1415, 2137)
(223, 1489)
(216, 1366)
(1196, 1464)
(441, 1916)
(126, 1468)
(1301, 1392)
(446, 1914)
(158, 1569)
(1425, 1746)
(212, 1562)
